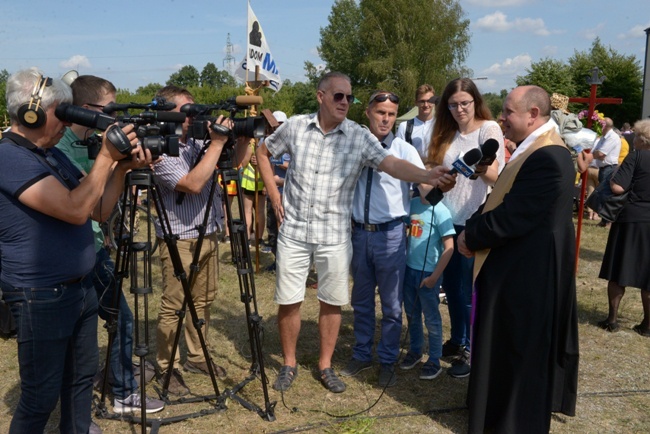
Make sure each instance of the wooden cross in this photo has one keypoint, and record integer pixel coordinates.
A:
(595, 80)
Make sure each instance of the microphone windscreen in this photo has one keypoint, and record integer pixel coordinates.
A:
(472, 156)
(249, 100)
(490, 147)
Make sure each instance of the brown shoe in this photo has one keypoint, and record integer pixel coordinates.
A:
(177, 385)
(202, 368)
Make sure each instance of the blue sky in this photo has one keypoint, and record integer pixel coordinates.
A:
(133, 43)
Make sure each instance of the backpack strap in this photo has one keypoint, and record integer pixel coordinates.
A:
(409, 130)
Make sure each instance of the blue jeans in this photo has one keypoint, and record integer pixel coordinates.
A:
(378, 261)
(57, 354)
(457, 282)
(121, 368)
(416, 302)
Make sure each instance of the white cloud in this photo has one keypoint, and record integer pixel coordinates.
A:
(593, 33)
(514, 66)
(550, 50)
(496, 3)
(634, 33)
(77, 62)
(498, 22)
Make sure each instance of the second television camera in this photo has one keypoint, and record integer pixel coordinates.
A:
(158, 131)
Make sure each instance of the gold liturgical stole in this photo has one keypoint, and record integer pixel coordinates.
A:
(505, 181)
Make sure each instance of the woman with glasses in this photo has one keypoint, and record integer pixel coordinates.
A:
(463, 122)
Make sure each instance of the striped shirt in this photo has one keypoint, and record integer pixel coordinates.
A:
(184, 218)
(322, 175)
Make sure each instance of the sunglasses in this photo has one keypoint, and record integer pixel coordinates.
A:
(381, 97)
(101, 107)
(340, 96)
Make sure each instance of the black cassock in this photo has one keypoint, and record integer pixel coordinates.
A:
(525, 332)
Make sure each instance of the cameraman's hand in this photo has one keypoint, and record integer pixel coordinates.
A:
(216, 138)
(108, 149)
(139, 158)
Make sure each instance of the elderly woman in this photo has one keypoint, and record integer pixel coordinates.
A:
(629, 237)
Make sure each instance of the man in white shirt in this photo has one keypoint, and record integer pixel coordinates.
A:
(606, 151)
(417, 131)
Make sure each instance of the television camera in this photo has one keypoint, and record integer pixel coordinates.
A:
(158, 130)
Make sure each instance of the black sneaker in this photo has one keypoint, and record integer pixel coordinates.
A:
(429, 371)
(452, 350)
(354, 367)
(410, 361)
(459, 368)
(387, 376)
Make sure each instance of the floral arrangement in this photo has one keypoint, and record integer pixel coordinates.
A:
(597, 120)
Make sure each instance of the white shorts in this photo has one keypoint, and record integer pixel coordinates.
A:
(293, 260)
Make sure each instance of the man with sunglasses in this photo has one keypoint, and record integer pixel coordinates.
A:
(417, 131)
(93, 93)
(328, 153)
(379, 246)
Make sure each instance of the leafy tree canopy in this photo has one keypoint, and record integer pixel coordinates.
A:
(374, 42)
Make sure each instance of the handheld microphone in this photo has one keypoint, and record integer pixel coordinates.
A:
(464, 166)
(489, 150)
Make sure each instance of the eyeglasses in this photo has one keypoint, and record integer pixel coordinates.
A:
(425, 101)
(339, 96)
(463, 104)
(383, 96)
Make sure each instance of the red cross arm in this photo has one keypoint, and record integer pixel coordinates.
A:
(597, 101)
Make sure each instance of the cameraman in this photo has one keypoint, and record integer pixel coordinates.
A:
(47, 250)
(175, 176)
(94, 93)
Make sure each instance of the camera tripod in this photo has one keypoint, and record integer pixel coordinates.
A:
(134, 259)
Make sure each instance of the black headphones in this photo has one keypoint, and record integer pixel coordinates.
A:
(31, 114)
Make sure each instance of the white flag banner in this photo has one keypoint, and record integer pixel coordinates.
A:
(258, 54)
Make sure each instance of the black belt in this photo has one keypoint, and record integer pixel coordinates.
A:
(379, 227)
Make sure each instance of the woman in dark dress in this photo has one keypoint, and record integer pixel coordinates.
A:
(628, 245)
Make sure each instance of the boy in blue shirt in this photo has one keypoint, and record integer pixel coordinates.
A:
(430, 246)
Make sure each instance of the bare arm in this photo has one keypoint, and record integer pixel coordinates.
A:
(266, 171)
(443, 260)
(402, 169)
(52, 198)
(194, 181)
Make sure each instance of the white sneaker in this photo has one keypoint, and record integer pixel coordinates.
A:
(133, 403)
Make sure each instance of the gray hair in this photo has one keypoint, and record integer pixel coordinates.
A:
(20, 87)
(642, 133)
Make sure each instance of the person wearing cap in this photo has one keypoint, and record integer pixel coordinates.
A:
(379, 247)
(280, 166)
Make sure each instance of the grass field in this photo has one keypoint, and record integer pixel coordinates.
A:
(614, 382)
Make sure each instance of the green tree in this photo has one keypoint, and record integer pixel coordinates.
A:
(4, 116)
(624, 79)
(551, 75)
(375, 43)
(187, 76)
(149, 90)
(212, 76)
